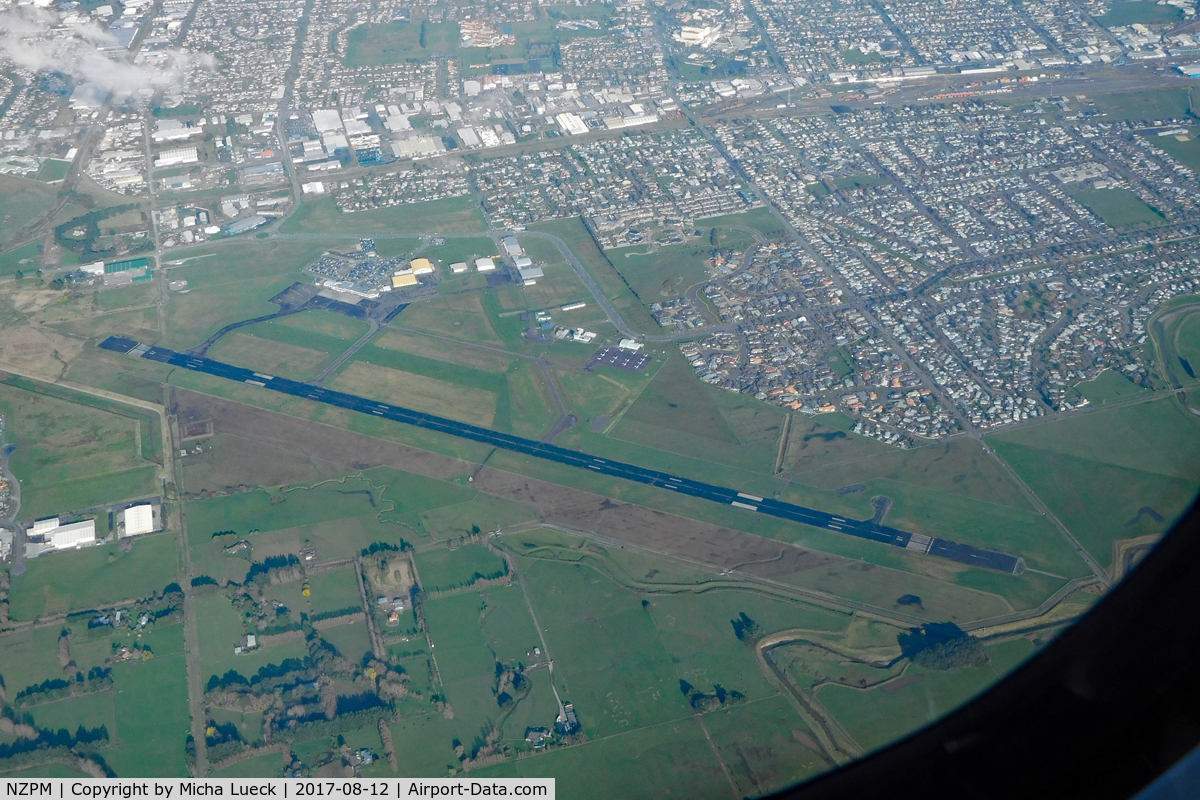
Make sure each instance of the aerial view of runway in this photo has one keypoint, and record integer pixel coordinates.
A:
(966, 554)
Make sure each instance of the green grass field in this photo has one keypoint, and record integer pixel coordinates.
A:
(152, 717)
(93, 577)
(513, 399)
(860, 182)
(221, 628)
(879, 716)
(352, 641)
(761, 219)
(398, 42)
(71, 456)
(333, 590)
(465, 250)
(337, 518)
(224, 289)
(664, 275)
(1112, 474)
(609, 658)
(672, 757)
(444, 569)
(471, 631)
(1186, 153)
(53, 170)
(23, 199)
(451, 214)
(1109, 386)
(580, 242)
(1147, 106)
(24, 259)
(297, 346)
(29, 657)
(1120, 208)
(1147, 13)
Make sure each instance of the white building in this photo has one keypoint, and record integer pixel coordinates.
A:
(571, 124)
(77, 534)
(327, 120)
(629, 344)
(512, 246)
(484, 264)
(178, 155)
(139, 519)
(172, 130)
(458, 267)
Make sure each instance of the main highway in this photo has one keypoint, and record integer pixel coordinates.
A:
(862, 529)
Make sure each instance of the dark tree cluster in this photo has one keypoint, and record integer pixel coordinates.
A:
(942, 646)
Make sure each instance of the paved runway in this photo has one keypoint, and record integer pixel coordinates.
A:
(966, 554)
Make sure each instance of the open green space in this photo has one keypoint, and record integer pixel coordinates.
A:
(71, 455)
(152, 716)
(330, 591)
(351, 641)
(1185, 152)
(761, 219)
(1119, 208)
(1109, 386)
(609, 658)
(573, 232)
(21, 200)
(53, 170)
(28, 657)
(89, 710)
(663, 275)
(444, 569)
(224, 288)
(336, 518)
(473, 633)
(465, 250)
(1162, 104)
(451, 214)
(1143, 11)
(514, 400)
(93, 577)
(881, 715)
(399, 42)
(24, 259)
(268, 766)
(672, 757)
(1111, 474)
(297, 346)
(860, 181)
(696, 630)
(221, 628)
(765, 745)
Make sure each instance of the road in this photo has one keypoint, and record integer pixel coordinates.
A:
(862, 529)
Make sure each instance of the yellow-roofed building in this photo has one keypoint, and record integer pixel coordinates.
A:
(404, 279)
(421, 266)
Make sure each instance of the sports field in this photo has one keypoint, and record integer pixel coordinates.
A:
(1133, 11)
(397, 42)
(1120, 208)
(1163, 104)
(1185, 152)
